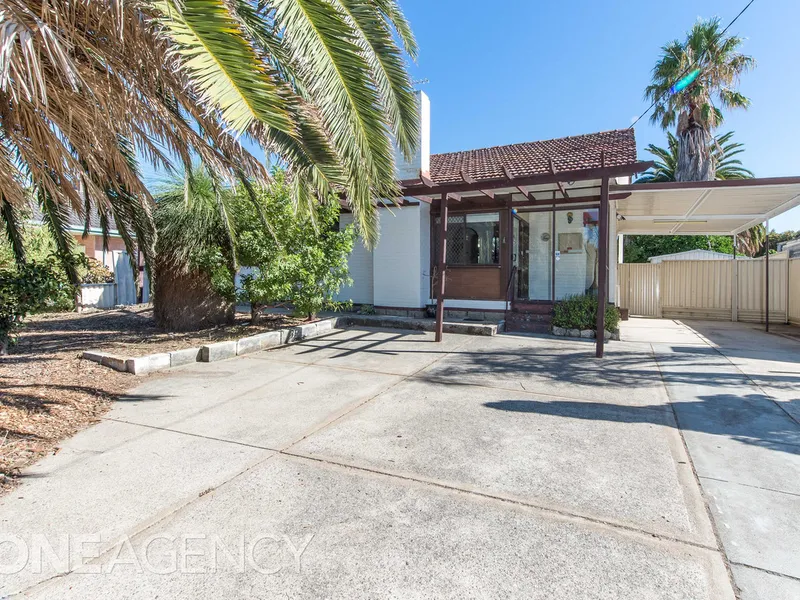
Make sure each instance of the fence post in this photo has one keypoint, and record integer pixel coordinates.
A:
(788, 295)
(735, 292)
(659, 277)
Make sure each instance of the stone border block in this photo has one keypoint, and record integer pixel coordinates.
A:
(106, 359)
(218, 351)
(141, 365)
(187, 356)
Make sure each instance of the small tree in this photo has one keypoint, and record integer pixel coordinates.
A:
(303, 262)
(27, 289)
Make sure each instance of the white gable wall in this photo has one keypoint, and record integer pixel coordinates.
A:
(360, 265)
(398, 276)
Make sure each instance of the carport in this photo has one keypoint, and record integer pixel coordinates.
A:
(706, 208)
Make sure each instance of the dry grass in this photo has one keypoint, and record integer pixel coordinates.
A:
(47, 393)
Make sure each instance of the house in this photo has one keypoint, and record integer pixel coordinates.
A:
(529, 224)
(91, 244)
(791, 248)
(691, 255)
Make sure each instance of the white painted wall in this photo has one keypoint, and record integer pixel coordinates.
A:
(98, 295)
(397, 274)
(425, 250)
(360, 265)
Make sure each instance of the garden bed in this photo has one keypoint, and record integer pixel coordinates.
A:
(49, 393)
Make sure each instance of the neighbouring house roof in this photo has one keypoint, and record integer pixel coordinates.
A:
(574, 153)
(692, 255)
(77, 222)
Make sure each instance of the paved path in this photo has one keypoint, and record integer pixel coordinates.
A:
(380, 464)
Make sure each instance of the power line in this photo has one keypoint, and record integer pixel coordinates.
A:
(689, 68)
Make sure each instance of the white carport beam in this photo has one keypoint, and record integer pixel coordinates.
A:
(694, 208)
(692, 219)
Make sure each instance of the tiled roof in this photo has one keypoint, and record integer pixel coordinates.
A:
(76, 222)
(533, 158)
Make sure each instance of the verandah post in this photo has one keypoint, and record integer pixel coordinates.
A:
(442, 264)
(602, 276)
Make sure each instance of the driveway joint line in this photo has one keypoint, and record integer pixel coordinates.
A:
(504, 499)
(757, 487)
(767, 571)
(709, 513)
(435, 483)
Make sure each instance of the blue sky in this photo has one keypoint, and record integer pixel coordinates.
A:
(517, 70)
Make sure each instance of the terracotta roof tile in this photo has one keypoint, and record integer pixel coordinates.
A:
(533, 158)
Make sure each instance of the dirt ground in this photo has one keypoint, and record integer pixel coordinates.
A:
(48, 393)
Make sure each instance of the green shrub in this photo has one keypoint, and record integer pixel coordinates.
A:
(367, 309)
(92, 270)
(303, 263)
(27, 289)
(580, 312)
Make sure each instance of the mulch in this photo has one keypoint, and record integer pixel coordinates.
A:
(48, 393)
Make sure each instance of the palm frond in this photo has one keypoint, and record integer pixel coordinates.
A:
(56, 218)
(338, 79)
(388, 69)
(224, 67)
(14, 226)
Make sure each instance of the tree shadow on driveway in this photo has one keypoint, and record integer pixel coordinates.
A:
(752, 419)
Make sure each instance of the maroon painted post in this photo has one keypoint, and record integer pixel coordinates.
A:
(442, 265)
(602, 276)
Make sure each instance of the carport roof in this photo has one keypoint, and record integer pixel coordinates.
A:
(704, 207)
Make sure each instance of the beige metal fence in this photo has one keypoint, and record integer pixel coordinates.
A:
(793, 295)
(715, 289)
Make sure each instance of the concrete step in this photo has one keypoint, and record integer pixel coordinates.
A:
(527, 327)
(449, 326)
(543, 308)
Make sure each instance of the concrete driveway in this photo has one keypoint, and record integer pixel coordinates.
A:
(376, 463)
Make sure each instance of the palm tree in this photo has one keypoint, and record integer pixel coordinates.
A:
(751, 242)
(723, 157)
(195, 260)
(718, 65)
(726, 166)
(321, 86)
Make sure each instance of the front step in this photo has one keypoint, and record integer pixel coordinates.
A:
(538, 308)
(530, 318)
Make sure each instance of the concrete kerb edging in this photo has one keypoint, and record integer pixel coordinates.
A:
(162, 361)
(141, 365)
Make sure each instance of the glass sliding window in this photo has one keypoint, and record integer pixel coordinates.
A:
(577, 254)
(472, 239)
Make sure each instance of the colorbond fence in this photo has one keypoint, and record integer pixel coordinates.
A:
(712, 289)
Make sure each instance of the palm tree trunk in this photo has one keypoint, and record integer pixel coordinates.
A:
(695, 162)
(694, 156)
(188, 301)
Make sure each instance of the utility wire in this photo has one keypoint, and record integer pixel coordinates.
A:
(695, 63)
